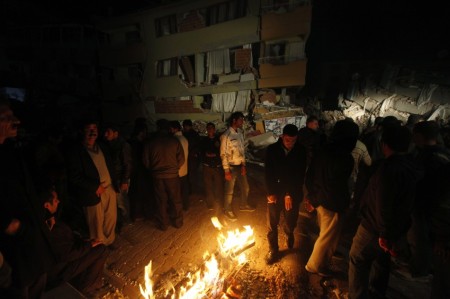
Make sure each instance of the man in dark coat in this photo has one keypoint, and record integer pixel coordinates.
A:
(93, 183)
(285, 167)
(386, 210)
(22, 234)
(327, 191)
(79, 261)
(163, 156)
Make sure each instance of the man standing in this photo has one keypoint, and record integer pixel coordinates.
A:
(386, 210)
(175, 129)
(327, 186)
(310, 137)
(92, 179)
(212, 167)
(164, 156)
(121, 154)
(232, 152)
(285, 168)
(23, 239)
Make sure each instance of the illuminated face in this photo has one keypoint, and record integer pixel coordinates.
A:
(90, 134)
(52, 206)
(288, 141)
(8, 123)
(238, 122)
(313, 125)
(211, 130)
(110, 134)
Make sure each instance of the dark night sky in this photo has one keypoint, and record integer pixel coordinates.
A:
(341, 29)
(382, 29)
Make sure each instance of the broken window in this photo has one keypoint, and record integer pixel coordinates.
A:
(166, 25)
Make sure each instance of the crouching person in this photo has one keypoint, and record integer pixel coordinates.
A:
(79, 261)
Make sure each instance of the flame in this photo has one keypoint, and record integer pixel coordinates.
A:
(208, 282)
(148, 292)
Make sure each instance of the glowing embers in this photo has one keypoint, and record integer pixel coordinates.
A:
(216, 278)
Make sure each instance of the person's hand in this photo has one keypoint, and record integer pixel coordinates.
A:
(287, 202)
(13, 227)
(243, 170)
(308, 206)
(387, 246)
(50, 222)
(271, 199)
(440, 250)
(124, 187)
(100, 191)
(228, 175)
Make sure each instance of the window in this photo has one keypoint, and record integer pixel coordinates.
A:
(71, 34)
(281, 52)
(166, 68)
(51, 35)
(133, 37)
(166, 25)
(226, 11)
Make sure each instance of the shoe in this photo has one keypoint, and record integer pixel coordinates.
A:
(161, 226)
(272, 257)
(323, 273)
(230, 215)
(406, 275)
(290, 241)
(246, 208)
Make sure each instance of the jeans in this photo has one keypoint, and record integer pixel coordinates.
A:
(229, 188)
(369, 266)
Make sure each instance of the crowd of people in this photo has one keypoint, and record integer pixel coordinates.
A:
(394, 177)
(65, 200)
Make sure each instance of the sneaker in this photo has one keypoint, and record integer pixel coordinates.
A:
(272, 257)
(290, 241)
(230, 215)
(246, 208)
(323, 273)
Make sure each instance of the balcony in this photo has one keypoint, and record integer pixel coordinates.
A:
(279, 25)
(282, 75)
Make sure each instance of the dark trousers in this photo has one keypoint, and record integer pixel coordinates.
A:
(441, 276)
(34, 290)
(420, 245)
(213, 178)
(85, 273)
(168, 200)
(369, 266)
(274, 211)
(184, 185)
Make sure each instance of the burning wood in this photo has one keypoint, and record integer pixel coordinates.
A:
(216, 278)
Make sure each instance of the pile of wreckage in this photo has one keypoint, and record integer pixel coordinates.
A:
(408, 97)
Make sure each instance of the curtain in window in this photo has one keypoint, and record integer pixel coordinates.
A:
(230, 101)
(218, 62)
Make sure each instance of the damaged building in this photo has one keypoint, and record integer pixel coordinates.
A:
(203, 59)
